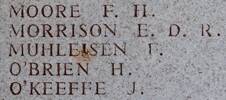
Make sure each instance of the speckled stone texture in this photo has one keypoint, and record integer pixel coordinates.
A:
(190, 68)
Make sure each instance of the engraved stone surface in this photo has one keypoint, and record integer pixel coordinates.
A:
(112, 50)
